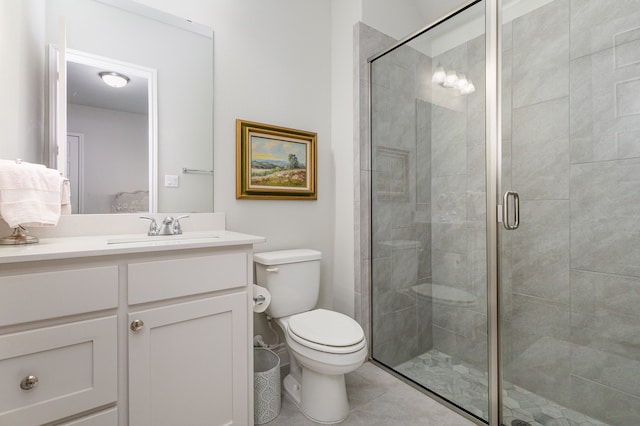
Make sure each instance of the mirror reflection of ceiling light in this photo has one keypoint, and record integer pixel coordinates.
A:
(439, 75)
(461, 82)
(452, 80)
(114, 79)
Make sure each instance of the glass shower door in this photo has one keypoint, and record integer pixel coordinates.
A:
(570, 274)
(429, 286)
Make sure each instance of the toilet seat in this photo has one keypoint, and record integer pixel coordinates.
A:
(326, 331)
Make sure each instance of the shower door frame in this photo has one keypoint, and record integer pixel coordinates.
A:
(493, 172)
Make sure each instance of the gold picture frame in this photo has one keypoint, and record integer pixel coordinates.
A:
(275, 162)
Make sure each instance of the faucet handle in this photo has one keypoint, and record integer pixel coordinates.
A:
(153, 226)
(177, 228)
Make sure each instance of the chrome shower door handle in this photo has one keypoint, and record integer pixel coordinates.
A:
(506, 211)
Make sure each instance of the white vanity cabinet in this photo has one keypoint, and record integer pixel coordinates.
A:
(189, 355)
(58, 341)
(128, 335)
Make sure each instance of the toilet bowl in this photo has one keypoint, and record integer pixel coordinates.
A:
(316, 381)
(323, 345)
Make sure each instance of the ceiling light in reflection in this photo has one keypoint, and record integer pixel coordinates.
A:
(452, 80)
(114, 79)
(468, 88)
(461, 82)
(439, 75)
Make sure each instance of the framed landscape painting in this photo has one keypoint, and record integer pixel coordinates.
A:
(275, 162)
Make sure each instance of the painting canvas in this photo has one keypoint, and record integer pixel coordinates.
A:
(275, 162)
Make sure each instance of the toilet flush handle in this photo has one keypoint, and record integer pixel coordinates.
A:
(272, 269)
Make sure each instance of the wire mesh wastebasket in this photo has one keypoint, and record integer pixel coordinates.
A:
(266, 378)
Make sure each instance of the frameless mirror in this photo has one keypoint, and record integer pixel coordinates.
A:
(117, 164)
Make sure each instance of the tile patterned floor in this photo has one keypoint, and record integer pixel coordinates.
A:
(467, 386)
(379, 399)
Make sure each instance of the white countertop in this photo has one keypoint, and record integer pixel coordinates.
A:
(106, 245)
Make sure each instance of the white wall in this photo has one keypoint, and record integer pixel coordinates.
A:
(396, 19)
(432, 10)
(401, 18)
(346, 178)
(116, 153)
(21, 86)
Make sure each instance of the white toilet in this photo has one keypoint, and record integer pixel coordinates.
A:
(323, 345)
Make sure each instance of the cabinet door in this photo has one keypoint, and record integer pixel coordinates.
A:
(188, 363)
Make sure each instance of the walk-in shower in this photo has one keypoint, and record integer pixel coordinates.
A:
(521, 114)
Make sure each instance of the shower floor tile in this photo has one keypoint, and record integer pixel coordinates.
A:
(468, 387)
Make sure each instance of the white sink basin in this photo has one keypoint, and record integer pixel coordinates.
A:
(162, 239)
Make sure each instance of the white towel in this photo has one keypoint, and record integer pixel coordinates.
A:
(65, 197)
(24, 163)
(30, 194)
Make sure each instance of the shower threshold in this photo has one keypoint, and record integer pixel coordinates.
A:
(467, 387)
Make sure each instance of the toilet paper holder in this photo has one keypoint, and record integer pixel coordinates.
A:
(261, 299)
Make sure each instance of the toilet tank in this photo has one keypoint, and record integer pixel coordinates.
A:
(292, 277)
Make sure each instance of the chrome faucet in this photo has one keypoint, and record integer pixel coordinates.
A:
(169, 226)
(153, 226)
(177, 227)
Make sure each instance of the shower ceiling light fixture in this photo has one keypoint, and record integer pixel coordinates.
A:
(452, 80)
(114, 79)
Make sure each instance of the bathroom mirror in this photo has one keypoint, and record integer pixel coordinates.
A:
(173, 165)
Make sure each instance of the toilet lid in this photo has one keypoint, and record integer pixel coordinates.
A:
(326, 328)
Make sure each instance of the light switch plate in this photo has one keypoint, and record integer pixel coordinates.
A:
(171, 181)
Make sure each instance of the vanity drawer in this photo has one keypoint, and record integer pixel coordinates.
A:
(103, 418)
(75, 365)
(32, 297)
(166, 279)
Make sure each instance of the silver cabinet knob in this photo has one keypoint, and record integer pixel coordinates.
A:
(136, 325)
(29, 382)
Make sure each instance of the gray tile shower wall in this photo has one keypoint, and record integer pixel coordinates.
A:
(367, 42)
(570, 276)
(399, 321)
(428, 221)
(459, 210)
(571, 334)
